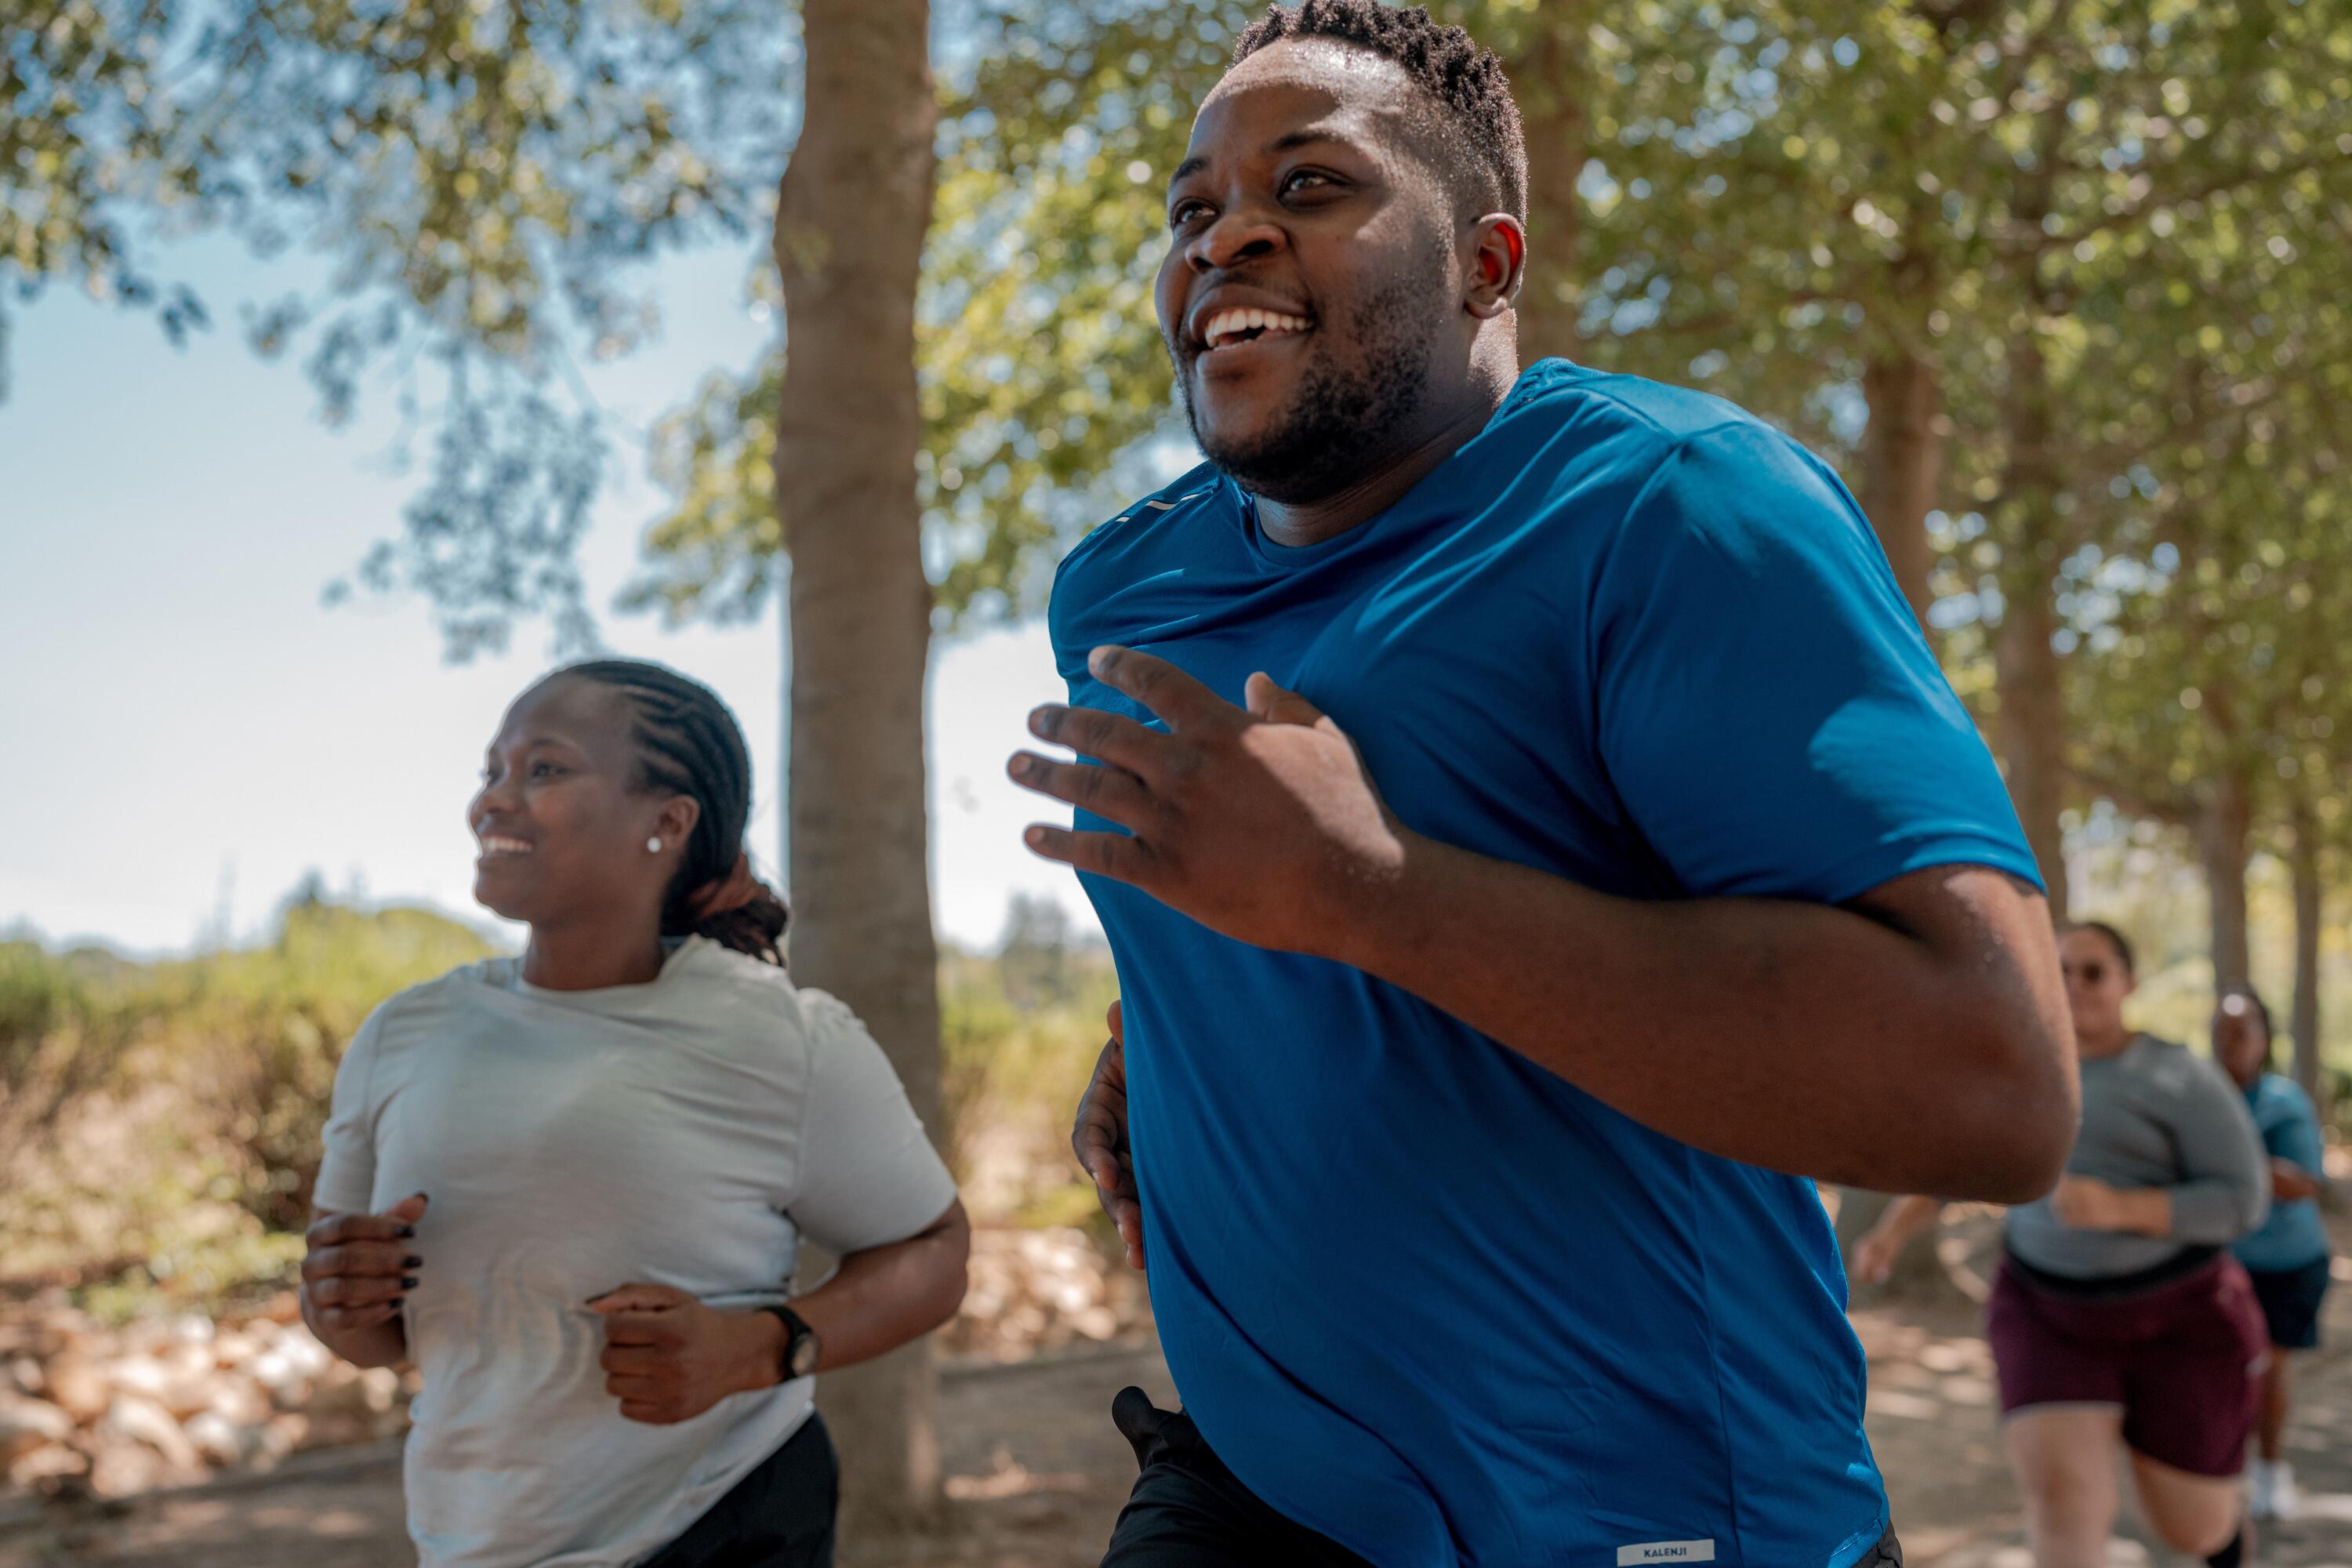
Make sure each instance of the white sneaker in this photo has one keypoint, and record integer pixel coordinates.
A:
(2261, 1489)
(2286, 1502)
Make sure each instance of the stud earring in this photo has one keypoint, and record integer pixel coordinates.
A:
(653, 846)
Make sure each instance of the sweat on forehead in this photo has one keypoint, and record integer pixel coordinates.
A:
(1368, 94)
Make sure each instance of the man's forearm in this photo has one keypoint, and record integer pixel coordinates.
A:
(1803, 1037)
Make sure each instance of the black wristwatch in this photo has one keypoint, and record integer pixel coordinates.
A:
(802, 1347)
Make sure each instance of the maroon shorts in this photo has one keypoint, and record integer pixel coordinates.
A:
(2182, 1362)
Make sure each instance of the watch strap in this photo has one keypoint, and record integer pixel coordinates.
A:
(796, 1333)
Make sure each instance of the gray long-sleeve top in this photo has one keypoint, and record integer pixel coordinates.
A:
(2154, 1115)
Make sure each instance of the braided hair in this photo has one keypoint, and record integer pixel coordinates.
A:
(688, 744)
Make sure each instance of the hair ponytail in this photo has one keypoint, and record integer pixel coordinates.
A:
(692, 745)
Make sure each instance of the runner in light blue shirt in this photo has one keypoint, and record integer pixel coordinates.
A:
(2287, 1258)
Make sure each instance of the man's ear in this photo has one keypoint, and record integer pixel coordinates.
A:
(1498, 260)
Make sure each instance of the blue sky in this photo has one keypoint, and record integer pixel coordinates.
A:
(188, 729)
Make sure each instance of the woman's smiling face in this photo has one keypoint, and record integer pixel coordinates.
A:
(559, 818)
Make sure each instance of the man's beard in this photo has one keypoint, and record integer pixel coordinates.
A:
(1345, 418)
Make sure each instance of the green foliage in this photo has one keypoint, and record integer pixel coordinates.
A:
(1018, 1039)
(86, 132)
(487, 178)
(186, 1115)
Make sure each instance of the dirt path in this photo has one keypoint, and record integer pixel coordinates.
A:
(1037, 1474)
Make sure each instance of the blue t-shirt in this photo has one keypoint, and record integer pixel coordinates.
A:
(1421, 1294)
(2294, 1236)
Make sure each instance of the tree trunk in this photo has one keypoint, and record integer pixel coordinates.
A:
(2222, 836)
(2031, 732)
(2307, 914)
(1550, 85)
(1901, 464)
(2031, 729)
(851, 217)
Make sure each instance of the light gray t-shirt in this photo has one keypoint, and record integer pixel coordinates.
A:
(689, 1131)
(2154, 1115)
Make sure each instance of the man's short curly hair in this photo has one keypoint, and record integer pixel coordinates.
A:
(1471, 112)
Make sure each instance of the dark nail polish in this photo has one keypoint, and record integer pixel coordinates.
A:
(404, 1232)
(412, 1261)
(408, 1281)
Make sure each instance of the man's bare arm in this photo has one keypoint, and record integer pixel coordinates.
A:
(1915, 1040)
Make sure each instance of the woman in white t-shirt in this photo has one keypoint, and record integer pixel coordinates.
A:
(570, 1188)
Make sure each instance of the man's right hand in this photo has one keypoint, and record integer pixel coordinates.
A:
(361, 1267)
(1099, 1141)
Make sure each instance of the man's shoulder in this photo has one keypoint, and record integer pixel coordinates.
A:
(1564, 423)
(1650, 419)
(1555, 392)
(1197, 488)
(1146, 537)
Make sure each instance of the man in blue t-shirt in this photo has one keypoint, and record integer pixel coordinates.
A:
(1536, 842)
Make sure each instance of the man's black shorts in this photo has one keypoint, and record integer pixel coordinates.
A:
(1189, 1511)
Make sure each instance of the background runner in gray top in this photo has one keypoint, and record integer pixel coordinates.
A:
(2154, 1115)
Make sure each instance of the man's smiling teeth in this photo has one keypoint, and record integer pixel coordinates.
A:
(1239, 325)
(494, 845)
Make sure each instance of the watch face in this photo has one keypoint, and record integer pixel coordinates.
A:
(802, 1357)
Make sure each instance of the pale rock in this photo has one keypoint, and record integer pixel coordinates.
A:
(277, 1371)
(25, 1376)
(133, 1418)
(41, 1468)
(139, 1372)
(283, 1433)
(382, 1386)
(238, 1401)
(123, 1469)
(220, 1440)
(78, 1386)
(29, 1424)
(308, 1354)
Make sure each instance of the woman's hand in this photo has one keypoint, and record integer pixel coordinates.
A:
(2086, 1203)
(2290, 1182)
(668, 1358)
(359, 1268)
(1099, 1141)
(1874, 1257)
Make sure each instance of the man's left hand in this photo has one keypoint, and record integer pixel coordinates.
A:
(1258, 822)
(668, 1358)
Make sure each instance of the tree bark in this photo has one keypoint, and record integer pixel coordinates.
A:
(2223, 834)
(851, 217)
(1901, 464)
(1550, 84)
(2308, 910)
(2031, 732)
(2031, 729)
